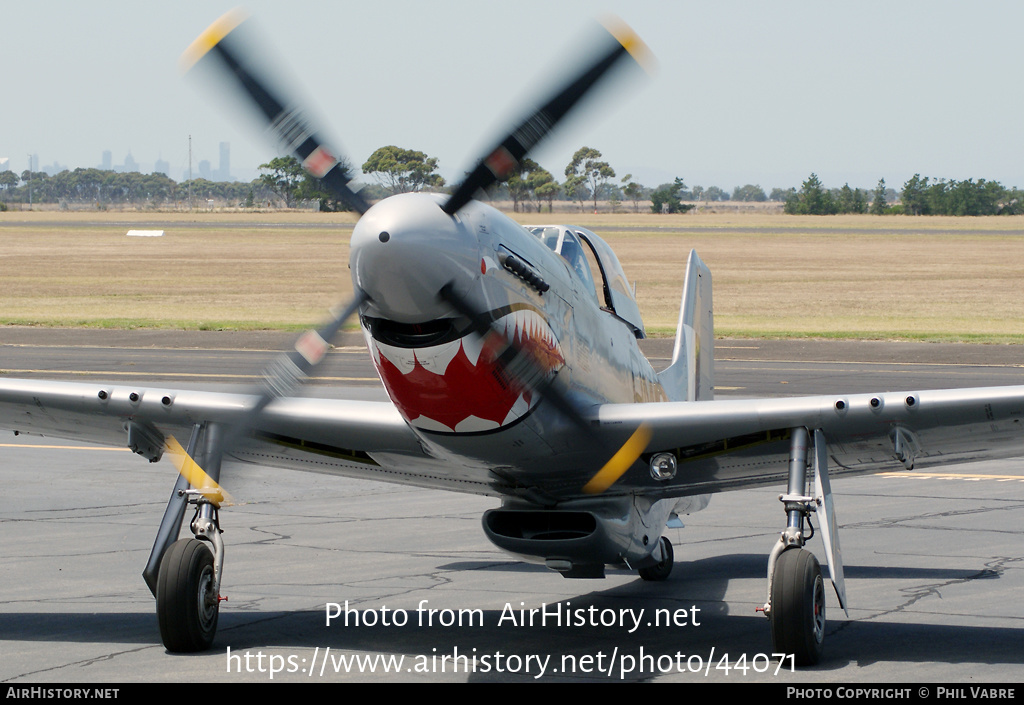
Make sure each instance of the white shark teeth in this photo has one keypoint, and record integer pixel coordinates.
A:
(471, 424)
(472, 344)
(436, 359)
(428, 424)
(518, 409)
(402, 358)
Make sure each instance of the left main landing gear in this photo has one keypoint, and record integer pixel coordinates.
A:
(796, 589)
(798, 606)
(185, 575)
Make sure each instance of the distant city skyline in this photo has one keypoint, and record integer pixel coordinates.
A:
(202, 167)
(745, 91)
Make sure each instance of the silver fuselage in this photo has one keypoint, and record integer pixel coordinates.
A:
(449, 390)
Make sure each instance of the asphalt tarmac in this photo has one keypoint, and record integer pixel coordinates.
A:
(933, 561)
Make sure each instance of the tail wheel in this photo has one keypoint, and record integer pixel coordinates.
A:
(662, 570)
(798, 607)
(186, 602)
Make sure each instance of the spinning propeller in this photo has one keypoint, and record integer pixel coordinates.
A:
(521, 365)
(225, 47)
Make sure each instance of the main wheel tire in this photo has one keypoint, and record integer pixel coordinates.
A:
(798, 607)
(662, 570)
(186, 603)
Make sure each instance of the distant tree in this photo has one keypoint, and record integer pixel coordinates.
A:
(518, 185)
(544, 186)
(914, 195)
(860, 201)
(403, 170)
(970, 197)
(781, 194)
(586, 165)
(667, 198)
(750, 192)
(8, 180)
(878, 203)
(713, 193)
(1013, 203)
(575, 189)
(282, 175)
(812, 199)
(633, 191)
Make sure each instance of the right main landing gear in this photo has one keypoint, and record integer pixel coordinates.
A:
(187, 604)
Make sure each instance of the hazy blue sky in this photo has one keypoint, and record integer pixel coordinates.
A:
(746, 92)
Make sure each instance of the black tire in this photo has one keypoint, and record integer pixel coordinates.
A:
(662, 570)
(186, 606)
(798, 607)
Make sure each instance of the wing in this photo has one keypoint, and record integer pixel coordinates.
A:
(367, 439)
(733, 444)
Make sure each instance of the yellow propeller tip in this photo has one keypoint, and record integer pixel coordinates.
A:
(211, 37)
(631, 42)
(620, 462)
(196, 476)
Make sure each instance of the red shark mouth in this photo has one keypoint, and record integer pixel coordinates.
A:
(459, 386)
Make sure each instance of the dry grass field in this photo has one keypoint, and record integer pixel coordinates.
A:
(774, 275)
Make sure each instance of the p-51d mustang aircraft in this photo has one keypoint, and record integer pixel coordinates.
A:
(511, 360)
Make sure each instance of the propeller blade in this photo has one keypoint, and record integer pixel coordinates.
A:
(294, 367)
(501, 162)
(620, 462)
(285, 374)
(196, 476)
(518, 364)
(281, 377)
(289, 125)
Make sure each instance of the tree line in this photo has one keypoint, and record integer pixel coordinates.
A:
(102, 187)
(589, 180)
(919, 196)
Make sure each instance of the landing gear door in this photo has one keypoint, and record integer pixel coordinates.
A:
(827, 518)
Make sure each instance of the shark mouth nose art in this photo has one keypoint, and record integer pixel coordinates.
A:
(460, 385)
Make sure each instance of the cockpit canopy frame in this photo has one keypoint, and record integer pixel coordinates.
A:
(618, 298)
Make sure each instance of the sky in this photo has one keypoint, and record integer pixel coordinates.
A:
(744, 92)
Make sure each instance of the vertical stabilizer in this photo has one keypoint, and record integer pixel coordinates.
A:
(691, 375)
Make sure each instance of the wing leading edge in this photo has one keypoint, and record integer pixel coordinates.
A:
(356, 438)
(733, 444)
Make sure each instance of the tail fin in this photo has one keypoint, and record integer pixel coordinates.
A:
(691, 376)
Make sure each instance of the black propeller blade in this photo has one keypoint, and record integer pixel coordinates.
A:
(520, 366)
(288, 124)
(517, 364)
(501, 162)
(281, 378)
